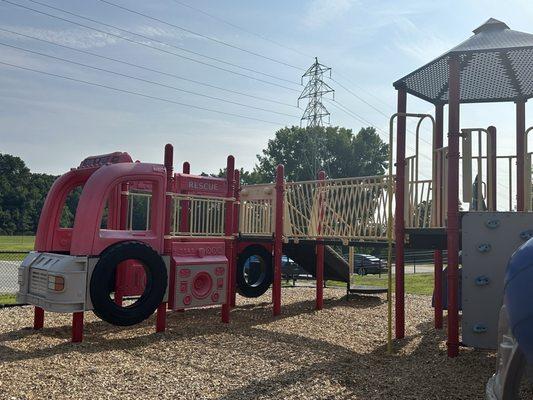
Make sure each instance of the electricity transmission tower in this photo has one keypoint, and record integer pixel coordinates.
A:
(315, 112)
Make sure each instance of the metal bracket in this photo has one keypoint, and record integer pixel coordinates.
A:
(492, 223)
(482, 280)
(527, 234)
(484, 247)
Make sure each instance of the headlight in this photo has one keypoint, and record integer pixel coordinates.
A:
(56, 283)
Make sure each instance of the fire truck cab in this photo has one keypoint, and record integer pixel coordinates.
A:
(74, 268)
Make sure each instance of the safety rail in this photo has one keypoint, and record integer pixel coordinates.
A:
(418, 201)
(351, 208)
(257, 207)
(198, 216)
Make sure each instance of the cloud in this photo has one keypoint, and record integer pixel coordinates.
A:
(420, 44)
(321, 12)
(77, 38)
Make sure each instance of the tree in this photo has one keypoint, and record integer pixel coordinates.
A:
(14, 177)
(247, 177)
(336, 150)
(22, 195)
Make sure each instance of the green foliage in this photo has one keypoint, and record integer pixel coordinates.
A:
(336, 150)
(247, 177)
(22, 195)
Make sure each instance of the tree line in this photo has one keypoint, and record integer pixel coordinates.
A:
(303, 151)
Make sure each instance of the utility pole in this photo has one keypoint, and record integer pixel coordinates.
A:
(314, 90)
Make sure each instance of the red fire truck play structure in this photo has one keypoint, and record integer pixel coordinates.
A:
(104, 257)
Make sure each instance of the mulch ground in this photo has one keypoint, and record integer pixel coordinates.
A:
(337, 353)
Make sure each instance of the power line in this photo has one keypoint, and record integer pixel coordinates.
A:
(360, 98)
(221, 42)
(260, 36)
(138, 42)
(375, 108)
(160, 41)
(144, 80)
(368, 123)
(359, 87)
(136, 93)
(148, 68)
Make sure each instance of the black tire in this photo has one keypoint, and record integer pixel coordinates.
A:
(103, 278)
(263, 279)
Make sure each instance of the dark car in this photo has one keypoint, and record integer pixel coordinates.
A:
(367, 264)
(290, 270)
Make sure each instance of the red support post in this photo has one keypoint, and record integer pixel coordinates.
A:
(169, 167)
(236, 209)
(77, 327)
(228, 226)
(183, 227)
(399, 219)
(162, 309)
(320, 248)
(184, 221)
(437, 256)
(520, 154)
(38, 318)
(453, 205)
(161, 318)
(278, 239)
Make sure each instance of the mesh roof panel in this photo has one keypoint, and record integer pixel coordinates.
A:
(496, 65)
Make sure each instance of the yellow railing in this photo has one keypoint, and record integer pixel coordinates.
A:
(257, 207)
(197, 216)
(419, 195)
(351, 208)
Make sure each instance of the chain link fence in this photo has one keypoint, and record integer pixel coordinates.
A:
(9, 263)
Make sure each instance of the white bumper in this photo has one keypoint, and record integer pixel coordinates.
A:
(33, 279)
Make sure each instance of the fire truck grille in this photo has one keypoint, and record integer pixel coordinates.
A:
(38, 281)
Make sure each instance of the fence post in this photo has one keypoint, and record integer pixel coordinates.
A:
(320, 245)
(278, 240)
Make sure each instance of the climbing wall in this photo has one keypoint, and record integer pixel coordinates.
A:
(489, 239)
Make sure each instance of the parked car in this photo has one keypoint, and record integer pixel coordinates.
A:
(290, 270)
(367, 264)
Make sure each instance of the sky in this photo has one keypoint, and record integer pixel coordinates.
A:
(259, 49)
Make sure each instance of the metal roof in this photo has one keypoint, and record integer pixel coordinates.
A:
(496, 65)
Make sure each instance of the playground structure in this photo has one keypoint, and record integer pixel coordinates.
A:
(197, 228)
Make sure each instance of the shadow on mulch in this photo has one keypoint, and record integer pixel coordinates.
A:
(418, 369)
(180, 325)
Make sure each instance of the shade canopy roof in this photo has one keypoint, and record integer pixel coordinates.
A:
(496, 65)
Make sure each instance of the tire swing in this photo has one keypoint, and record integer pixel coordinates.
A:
(103, 282)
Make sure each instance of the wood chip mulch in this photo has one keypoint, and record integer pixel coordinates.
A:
(337, 353)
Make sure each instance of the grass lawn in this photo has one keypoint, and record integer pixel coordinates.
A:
(7, 299)
(414, 283)
(16, 243)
